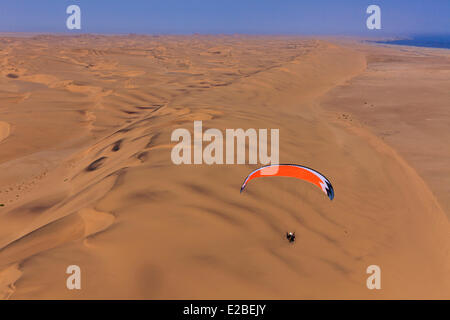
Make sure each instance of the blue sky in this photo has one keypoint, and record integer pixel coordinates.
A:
(334, 17)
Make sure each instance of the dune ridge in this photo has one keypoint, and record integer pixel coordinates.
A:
(98, 188)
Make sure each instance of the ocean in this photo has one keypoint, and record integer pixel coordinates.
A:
(431, 41)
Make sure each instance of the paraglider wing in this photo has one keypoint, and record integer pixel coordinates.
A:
(294, 171)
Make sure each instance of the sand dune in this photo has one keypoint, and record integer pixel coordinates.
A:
(4, 130)
(87, 178)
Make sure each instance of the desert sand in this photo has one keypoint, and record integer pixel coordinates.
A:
(86, 176)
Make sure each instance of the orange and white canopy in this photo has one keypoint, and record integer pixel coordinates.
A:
(293, 171)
